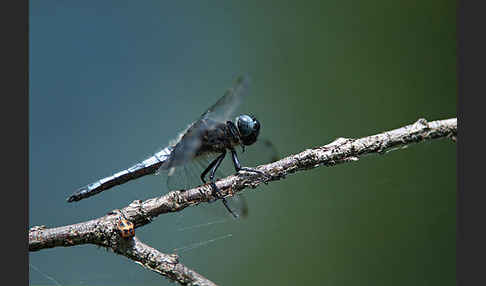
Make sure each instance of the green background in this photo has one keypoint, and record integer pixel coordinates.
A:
(111, 82)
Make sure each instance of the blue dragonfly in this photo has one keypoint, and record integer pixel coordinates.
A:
(204, 142)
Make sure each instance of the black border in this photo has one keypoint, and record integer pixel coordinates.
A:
(471, 195)
(14, 118)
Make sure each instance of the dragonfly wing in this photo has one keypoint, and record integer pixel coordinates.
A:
(177, 179)
(263, 151)
(238, 205)
(267, 150)
(188, 175)
(186, 146)
(224, 109)
(185, 169)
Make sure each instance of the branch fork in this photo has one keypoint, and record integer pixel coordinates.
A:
(103, 231)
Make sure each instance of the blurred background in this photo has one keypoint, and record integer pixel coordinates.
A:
(111, 82)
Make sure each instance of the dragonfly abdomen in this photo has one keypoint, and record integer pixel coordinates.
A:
(146, 167)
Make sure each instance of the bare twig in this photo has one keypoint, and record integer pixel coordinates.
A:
(166, 265)
(101, 231)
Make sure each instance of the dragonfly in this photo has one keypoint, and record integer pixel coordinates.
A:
(212, 134)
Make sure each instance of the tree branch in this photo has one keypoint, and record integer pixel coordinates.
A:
(102, 231)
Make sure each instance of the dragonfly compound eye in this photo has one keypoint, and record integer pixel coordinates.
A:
(249, 128)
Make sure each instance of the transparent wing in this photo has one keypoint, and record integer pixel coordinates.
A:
(190, 140)
(186, 147)
(263, 151)
(266, 147)
(185, 170)
(238, 205)
(224, 109)
(188, 176)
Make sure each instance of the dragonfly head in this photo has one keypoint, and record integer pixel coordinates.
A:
(249, 128)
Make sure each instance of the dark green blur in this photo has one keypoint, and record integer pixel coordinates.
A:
(111, 82)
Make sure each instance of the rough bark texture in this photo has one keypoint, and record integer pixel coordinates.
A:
(102, 231)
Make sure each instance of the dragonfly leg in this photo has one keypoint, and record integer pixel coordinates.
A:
(213, 166)
(238, 167)
(217, 161)
(225, 203)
